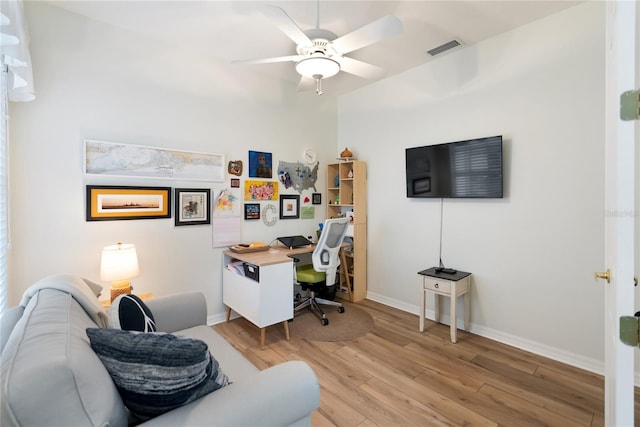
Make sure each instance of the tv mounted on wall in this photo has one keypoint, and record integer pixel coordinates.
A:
(461, 169)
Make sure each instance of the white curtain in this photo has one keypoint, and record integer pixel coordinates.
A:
(16, 84)
(14, 48)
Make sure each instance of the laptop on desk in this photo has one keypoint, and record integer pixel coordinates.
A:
(294, 241)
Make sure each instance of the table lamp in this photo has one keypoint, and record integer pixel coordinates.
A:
(119, 264)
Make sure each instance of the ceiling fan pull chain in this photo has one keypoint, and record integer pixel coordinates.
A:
(319, 85)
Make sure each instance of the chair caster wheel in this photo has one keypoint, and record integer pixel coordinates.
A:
(325, 322)
(340, 309)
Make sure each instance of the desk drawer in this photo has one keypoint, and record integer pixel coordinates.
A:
(437, 285)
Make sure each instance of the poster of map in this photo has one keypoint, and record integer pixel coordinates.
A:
(116, 159)
(297, 175)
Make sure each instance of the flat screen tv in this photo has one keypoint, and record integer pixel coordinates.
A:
(461, 169)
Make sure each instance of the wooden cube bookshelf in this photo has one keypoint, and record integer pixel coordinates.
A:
(347, 196)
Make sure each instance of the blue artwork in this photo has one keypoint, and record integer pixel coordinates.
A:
(259, 164)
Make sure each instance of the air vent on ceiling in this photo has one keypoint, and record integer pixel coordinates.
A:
(448, 45)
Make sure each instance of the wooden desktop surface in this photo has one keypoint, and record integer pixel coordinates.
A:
(275, 255)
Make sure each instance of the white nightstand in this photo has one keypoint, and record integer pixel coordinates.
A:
(449, 285)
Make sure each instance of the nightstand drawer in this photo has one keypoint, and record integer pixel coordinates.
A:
(437, 285)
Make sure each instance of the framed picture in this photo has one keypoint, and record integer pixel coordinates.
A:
(193, 206)
(128, 160)
(251, 211)
(235, 183)
(106, 203)
(260, 190)
(289, 206)
(260, 164)
(316, 199)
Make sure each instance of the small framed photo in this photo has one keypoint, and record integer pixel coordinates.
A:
(252, 211)
(193, 206)
(289, 206)
(316, 199)
(235, 183)
(106, 203)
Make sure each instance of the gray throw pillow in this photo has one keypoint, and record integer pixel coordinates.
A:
(155, 372)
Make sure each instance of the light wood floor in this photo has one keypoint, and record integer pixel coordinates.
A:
(396, 375)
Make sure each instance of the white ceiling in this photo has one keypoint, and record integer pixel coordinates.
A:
(232, 30)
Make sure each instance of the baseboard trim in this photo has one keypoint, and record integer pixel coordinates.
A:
(573, 359)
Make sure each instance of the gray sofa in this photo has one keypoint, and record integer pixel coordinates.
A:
(51, 376)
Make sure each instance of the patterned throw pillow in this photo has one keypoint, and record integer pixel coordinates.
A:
(155, 372)
(129, 313)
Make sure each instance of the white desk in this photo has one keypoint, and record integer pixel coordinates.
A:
(266, 299)
(448, 285)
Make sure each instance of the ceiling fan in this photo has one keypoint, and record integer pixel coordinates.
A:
(320, 54)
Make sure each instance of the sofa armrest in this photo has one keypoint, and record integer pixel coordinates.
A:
(7, 321)
(281, 395)
(180, 311)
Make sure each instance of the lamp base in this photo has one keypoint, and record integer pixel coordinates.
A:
(120, 291)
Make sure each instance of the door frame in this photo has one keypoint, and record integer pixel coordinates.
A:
(620, 76)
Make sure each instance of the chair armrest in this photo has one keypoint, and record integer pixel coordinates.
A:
(278, 396)
(180, 311)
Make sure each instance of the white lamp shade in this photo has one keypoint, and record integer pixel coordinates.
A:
(119, 262)
(318, 67)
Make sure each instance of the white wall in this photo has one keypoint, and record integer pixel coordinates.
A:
(100, 82)
(532, 253)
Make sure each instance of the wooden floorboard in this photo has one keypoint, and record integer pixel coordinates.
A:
(398, 376)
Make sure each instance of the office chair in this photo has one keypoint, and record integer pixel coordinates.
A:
(322, 272)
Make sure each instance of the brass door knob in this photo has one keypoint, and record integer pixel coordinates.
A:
(603, 275)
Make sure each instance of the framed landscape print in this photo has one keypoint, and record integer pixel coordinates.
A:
(121, 202)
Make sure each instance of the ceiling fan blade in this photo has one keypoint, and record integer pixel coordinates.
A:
(286, 24)
(360, 69)
(290, 58)
(374, 32)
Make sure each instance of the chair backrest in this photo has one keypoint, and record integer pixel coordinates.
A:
(325, 255)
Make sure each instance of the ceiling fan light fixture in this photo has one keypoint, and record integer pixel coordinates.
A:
(318, 65)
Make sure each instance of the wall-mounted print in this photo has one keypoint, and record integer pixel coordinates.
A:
(193, 206)
(235, 183)
(116, 159)
(316, 198)
(260, 190)
(289, 206)
(259, 164)
(298, 176)
(235, 167)
(120, 202)
(307, 212)
(251, 211)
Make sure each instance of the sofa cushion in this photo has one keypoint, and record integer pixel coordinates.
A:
(130, 313)
(49, 371)
(154, 372)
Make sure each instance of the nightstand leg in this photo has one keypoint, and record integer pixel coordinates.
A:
(228, 313)
(454, 326)
(422, 307)
(467, 311)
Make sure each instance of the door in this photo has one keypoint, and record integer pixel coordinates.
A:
(621, 141)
